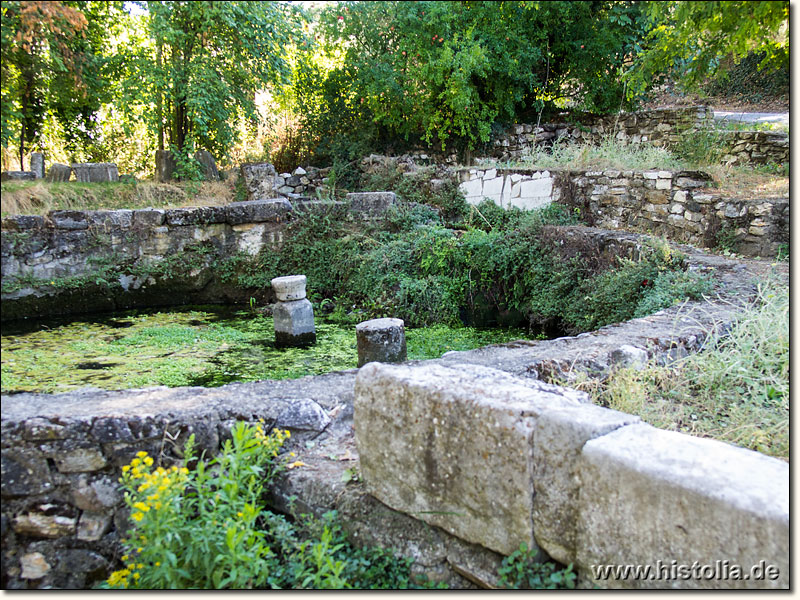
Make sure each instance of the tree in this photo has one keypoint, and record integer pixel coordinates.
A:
(446, 72)
(689, 39)
(38, 58)
(203, 64)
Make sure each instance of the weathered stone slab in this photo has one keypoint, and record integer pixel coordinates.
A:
(37, 164)
(373, 204)
(208, 164)
(165, 166)
(274, 210)
(453, 446)
(17, 176)
(58, 173)
(559, 436)
(259, 180)
(95, 172)
(649, 495)
(381, 340)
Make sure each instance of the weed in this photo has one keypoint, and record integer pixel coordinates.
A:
(522, 570)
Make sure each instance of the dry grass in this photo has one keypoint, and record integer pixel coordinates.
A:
(38, 198)
(740, 182)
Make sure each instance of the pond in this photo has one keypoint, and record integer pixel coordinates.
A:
(198, 345)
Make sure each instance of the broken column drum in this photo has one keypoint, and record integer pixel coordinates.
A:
(381, 340)
(293, 314)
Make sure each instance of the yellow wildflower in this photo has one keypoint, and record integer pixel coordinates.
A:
(137, 516)
(297, 463)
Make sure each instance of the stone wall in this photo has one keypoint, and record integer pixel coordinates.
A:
(659, 127)
(123, 254)
(677, 204)
(755, 147)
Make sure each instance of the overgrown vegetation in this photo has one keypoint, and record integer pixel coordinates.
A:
(39, 197)
(736, 389)
(204, 525)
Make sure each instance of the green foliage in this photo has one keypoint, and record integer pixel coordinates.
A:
(746, 80)
(201, 65)
(207, 528)
(702, 147)
(521, 571)
(444, 73)
(690, 39)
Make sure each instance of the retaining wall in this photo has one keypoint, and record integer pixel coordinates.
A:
(677, 204)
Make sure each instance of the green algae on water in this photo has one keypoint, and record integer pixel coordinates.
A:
(206, 346)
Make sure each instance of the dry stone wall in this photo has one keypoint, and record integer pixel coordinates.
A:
(677, 204)
(755, 147)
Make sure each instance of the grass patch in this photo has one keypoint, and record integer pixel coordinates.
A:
(736, 390)
(610, 153)
(40, 197)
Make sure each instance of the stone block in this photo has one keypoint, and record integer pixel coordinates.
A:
(537, 188)
(294, 323)
(259, 181)
(17, 176)
(663, 184)
(69, 219)
(37, 164)
(80, 460)
(492, 189)
(34, 565)
(165, 166)
(650, 496)
(289, 288)
(92, 526)
(207, 164)
(299, 172)
(373, 204)
(275, 210)
(559, 436)
(95, 172)
(472, 190)
(24, 473)
(453, 446)
(43, 525)
(650, 174)
(381, 340)
(303, 414)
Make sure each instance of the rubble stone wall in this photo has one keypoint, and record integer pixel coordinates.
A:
(677, 204)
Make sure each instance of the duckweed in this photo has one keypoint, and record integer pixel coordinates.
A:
(202, 345)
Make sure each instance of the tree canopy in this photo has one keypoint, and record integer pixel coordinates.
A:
(350, 76)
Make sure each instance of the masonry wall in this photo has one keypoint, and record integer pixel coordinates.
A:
(677, 204)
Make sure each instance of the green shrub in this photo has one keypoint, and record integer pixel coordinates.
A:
(522, 571)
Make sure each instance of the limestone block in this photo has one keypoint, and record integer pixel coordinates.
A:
(492, 189)
(373, 204)
(381, 340)
(679, 196)
(505, 196)
(207, 164)
(42, 525)
(294, 323)
(58, 172)
(34, 566)
(24, 473)
(677, 209)
(93, 526)
(299, 172)
(274, 210)
(95, 172)
(303, 414)
(538, 188)
(663, 184)
(259, 180)
(453, 446)
(80, 460)
(289, 288)
(17, 176)
(490, 174)
(472, 190)
(559, 436)
(649, 495)
(650, 174)
(165, 166)
(37, 164)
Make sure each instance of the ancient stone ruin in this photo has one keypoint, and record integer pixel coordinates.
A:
(292, 313)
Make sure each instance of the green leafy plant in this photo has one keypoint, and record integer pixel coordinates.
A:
(522, 570)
